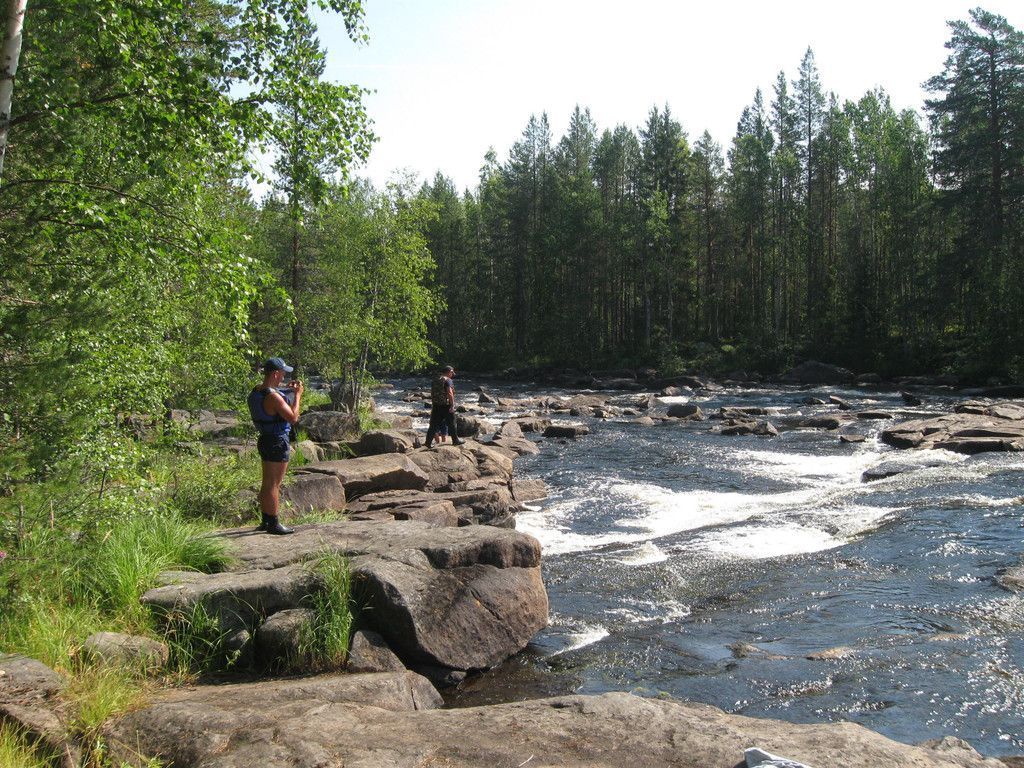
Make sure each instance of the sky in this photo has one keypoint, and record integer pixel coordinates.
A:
(452, 78)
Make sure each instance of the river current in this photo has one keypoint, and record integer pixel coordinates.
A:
(765, 577)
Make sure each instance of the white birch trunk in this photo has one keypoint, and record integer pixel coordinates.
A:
(9, 55)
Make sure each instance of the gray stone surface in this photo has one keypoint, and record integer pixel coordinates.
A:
(128, 650)
(240, 729)
(686, 411)
(462, 598)
(279, 638)
(329, 426)
(309, 491)
(370, 653)
(367, 474)
(28, 699)
(998, 427)
(528, 489)
(380, 441)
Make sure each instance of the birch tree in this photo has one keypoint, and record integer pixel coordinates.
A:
(9, 55)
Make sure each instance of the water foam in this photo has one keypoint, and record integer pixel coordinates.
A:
(588, 635)
(646, 554)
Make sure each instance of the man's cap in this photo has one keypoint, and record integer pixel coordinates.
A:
(276, 364)
(448, 369)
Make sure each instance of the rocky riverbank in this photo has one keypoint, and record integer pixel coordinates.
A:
(446, 587)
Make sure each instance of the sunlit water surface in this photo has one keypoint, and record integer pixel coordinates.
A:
(669, 550)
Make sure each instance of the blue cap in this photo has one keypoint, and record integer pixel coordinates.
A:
(276, 364)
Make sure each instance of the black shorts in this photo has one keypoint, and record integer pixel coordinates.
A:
(274, 447)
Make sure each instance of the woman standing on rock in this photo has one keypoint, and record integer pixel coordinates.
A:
(273, 416)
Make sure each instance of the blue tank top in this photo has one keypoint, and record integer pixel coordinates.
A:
(266, 423)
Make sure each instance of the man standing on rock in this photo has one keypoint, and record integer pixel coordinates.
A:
(273, 416)
(442, 406)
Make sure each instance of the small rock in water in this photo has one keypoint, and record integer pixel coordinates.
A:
(852, 438)
(839, 652)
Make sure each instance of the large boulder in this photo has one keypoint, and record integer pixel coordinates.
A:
(309, 492)
(380, 441)
(266, 724)
(296, 724)
(444, 617)
(279, 639)
(460, 598)
(532, 423)
(367, 474)
(476, 501)
(813, 372)
(370, 653)
(686, 411)
(446, 464)
(330, 426)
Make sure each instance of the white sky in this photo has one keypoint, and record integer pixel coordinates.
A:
(454, 77)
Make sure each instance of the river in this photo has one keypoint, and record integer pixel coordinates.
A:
(765, 577)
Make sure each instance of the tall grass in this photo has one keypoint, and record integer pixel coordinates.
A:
(96, 694)
(325, 640)
(131, 555)
(197, 642)
(17, 752)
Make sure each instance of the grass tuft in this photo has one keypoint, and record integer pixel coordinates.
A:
(132, 554)
(325, 640)
(17, 752)
(96, 694)
(197, 642)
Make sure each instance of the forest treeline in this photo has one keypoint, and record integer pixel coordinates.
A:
(140, 272)
(845, 231)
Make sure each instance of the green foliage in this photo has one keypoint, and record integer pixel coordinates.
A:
(134, 552)
(96, 694)
(197, 642)
(325, 640)
(209, 488)
(17, 752)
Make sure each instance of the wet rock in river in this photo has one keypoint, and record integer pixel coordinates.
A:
(687, 411)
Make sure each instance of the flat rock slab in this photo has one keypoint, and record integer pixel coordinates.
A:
(389, 471)
(979, 429)
(242, 729)
(461, 598)
(313, 492)
(273, 723)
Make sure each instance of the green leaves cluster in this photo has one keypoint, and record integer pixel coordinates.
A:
(127, 270)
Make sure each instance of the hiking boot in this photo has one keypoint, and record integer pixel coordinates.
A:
(263, 523)
(456, 441)
(274, 526)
